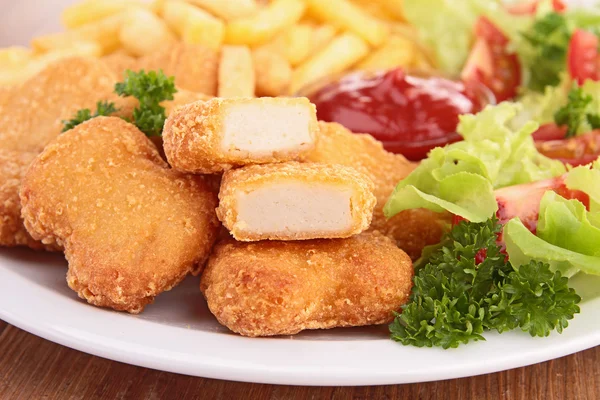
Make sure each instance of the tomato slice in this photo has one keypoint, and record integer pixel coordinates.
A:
(578, 150)
(582, 56)
(530, 8)
(490, 63)
(550, 131)
(523, 201)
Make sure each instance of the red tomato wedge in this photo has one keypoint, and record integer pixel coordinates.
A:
(550, 131)
(578, 150)
(523, 201)
(490, 63)
(582, 56)
(530, 8)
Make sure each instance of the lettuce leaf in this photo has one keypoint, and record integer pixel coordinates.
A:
(567, 234)
(586, 180)
(446, 26)
(461, 177)
(541, 107)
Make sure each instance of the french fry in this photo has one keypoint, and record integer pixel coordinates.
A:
(322, 36)
(143, 32)
(195, 26)
(265, 24)
(14, 57)
(348, 16)
(104, 32)
(236, 72)
(228, 9)
(343, 52)
(273, 72)
(411, 33)
(394, 7)
(396, 52)
(294, 43)
(375, 8)
(298, 43)
(93, 10)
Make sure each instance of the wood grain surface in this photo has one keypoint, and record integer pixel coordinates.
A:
(33, 368)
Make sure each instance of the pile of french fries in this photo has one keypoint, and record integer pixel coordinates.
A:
(266, 48)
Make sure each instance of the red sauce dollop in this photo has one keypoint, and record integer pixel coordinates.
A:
(409, 114)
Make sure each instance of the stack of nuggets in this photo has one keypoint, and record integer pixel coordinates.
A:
(299, 260)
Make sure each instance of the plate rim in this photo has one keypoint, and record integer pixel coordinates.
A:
(120, 349)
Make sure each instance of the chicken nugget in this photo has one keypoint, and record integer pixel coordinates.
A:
(194, 67)
(13, 165)
(219, 134)
(31, 115)
(119, 62)
(130, 226)
(412, 229)
(295, 201)
(280, 288)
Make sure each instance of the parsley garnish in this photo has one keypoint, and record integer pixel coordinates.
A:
(468, 287)
(150, 89)
(546, 51)
(102, 108)
(575, 112)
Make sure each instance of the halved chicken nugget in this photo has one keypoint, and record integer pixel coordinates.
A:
(411, 229)
(130, 226)
(219, 134)
(280, 288)
(295, 201)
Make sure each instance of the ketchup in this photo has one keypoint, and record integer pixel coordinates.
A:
(409, 114)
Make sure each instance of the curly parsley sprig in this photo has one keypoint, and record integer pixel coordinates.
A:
(468, 287)
(102, 108)
(149, 88)
(576, 112)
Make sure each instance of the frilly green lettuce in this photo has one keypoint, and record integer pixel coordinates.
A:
(567, 236)
(461, 177)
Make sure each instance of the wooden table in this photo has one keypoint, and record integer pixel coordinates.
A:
(34, 368)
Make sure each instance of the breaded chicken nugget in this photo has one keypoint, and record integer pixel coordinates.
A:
(280, 288)
(13, 165)
(119, 62)
(219, 134)
(295, 201)
(412, 229)
(31, 115)
(194, 67)
(131, 227)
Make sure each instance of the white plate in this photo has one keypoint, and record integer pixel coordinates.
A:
(178, 334)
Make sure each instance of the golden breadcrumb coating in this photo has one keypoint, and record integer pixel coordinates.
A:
(31, 116)
(193, 135)
(194, 67)
(119, 62)
(183, 97)
(247, 180)
(131, 227)
(412, 229)
(281, 288)
(13, 165)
